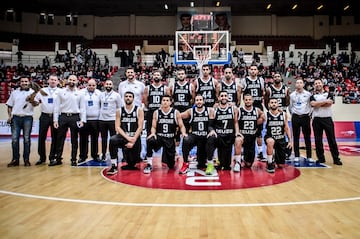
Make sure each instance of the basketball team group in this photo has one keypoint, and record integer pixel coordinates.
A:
(226, 116)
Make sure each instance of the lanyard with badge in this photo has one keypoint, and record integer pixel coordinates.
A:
(90, 101)
(106, 104)
(51, 98)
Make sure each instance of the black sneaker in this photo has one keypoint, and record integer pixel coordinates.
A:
(261, 157)
(81, 160)
(73, 163)
(270, 168)
(54, 163)
(319, 161)
(338, 162)
(112, 170)
(39, 162)
(128, 167)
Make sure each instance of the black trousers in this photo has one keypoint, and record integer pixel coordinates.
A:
(168, 147)
(90, 128)
(319, 126)
(67, 122)
(105, 127)
(303, 122)
(46, 122)
(249, 148)
(224, 145)
(200, 142)
(148, 115)
(131, 156)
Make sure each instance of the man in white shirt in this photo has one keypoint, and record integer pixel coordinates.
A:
(110, 101)
(69, 112)
(91, 100)
(20, 113)
(46, 119)
(132, 85)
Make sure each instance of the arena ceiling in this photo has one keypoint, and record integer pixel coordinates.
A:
(157, 7)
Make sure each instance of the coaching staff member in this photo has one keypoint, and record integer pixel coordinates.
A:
(322, 101)
(68, 113)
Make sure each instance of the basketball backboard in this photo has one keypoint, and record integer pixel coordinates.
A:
(191, 47)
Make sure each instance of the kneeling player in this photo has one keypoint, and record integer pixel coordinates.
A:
(276, 128)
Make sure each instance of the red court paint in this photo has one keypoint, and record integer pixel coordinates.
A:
(163, 178)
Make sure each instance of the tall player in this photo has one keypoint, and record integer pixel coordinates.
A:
(199, 117)
(254, 85)
(276, 129)
(223, 129)
(206, 86)
(249, 119)
(233, 88)
(279, 91)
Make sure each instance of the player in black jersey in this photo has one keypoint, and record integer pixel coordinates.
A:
(276, 128)
(279, 91)
(199, 124)
(206, 86)
(152, 98)
(254, 86)
(229, 85)
(222, 131)
(163, 129)
(249, 119)
(182, 93)
(128, 125)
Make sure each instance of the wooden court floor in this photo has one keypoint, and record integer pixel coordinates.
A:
(66, 202)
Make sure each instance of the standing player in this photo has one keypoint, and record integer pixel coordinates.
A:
(254, 86)
(128, 124)
(279, 91)
(164, 123)
(133, 85)
(276, 129)
(300, 110)
(223, 129)
(183, 96)
(199, 124)
(229, 85)
(206, 86)
(249, 119)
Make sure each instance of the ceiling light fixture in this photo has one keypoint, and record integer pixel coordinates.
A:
(166, 6)
(320, 7)
(294, 7)
(346, 7)
(268, 6)
(192, 4)
(218, 3)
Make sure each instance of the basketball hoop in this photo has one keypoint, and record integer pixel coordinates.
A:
(202, 59)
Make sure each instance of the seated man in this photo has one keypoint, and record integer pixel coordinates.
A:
(128, 125)
(162, 134)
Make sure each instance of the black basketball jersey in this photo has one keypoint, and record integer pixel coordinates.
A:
(255, 89)
(275, 125)
(248, 120)
(129, 120)
(231, 89)
(182, 96)
(279, 94)
(207, 90)
(166, 123)
(155, 94)
(199, 122)
(224, 121)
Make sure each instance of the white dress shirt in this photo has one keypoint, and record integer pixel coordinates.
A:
(136, 87)
(91, 100)
(47, 102)
(110, 102)
(18, 102)
(69, 101)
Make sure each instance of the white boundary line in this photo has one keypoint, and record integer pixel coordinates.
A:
(179, 205)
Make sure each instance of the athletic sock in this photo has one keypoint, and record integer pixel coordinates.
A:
(149, 160)
(269, 158)
(237, 158)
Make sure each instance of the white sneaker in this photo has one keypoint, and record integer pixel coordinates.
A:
(296, 159)
(311, 160)
(148, 169)
(237, 167)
